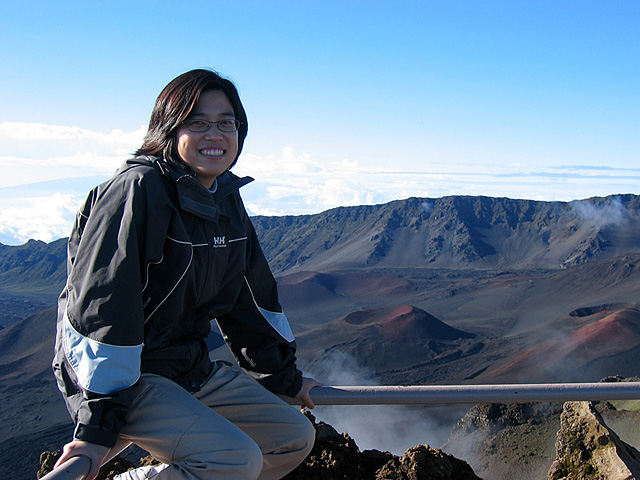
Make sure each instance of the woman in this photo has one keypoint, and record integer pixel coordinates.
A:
(156, 254)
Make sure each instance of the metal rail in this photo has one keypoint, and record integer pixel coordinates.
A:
(78, 467)
(75, 468)
(454, 394)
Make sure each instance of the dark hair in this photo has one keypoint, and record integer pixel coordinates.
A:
(174, 104)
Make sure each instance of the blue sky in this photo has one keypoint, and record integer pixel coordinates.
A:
(349, 102)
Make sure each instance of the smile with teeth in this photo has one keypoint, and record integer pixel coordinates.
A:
(213, 152)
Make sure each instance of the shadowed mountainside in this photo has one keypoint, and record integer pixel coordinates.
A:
(454, 232)
(34, 265)
(31, 278)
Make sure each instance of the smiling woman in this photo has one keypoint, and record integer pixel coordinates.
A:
(208, 139)
(155, 255)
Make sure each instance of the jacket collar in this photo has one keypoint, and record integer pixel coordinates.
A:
(229, 183)
(192, 195)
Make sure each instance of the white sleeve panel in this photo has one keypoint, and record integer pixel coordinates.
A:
(278, 320)
(101, 368)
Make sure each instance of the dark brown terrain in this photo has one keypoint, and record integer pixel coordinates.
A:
(421, 291)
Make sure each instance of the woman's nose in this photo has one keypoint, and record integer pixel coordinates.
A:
(213, 133)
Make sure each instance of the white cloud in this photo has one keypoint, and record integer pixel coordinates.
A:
(41, 218)
(345, 165)
(35, 152)
(258, 209)
(40, 132)
(287, 163)
(90, 160)
(295, 183)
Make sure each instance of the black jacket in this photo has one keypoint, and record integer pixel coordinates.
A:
(152, 259)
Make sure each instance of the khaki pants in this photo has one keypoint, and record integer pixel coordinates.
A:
(233, 428)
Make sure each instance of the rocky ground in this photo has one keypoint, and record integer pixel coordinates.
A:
(587, 449)
(507, 441)
(534, 441)
(336, 456)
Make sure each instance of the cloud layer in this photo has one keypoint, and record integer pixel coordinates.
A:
(41, 218)
(48, 169)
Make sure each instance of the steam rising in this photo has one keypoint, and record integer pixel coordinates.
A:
(385, 427)
(600, 215)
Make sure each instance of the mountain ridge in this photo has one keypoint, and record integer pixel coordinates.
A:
(446, 232)
(454, 232)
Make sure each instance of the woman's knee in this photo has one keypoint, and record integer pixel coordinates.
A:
(248, 462)
(307, 435)
(238, 461)
(301, 435)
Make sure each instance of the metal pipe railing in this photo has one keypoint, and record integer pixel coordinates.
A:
(454, 394)
(78, 467)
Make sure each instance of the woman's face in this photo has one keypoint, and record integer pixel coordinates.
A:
(208, 153)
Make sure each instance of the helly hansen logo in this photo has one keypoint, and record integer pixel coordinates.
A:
(219, 242)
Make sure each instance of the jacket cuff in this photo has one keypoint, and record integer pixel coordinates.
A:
(293, 389)
(95, 435)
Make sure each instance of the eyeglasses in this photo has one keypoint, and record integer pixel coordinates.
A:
(199, 126)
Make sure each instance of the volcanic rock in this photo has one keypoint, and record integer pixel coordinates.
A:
(336, 456)
(425, 463)
(507, 441)
(588, 450)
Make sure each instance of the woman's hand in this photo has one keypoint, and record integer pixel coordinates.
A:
(95, 453)
(303, 394)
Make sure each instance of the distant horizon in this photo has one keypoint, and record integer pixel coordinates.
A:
(349, 103)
